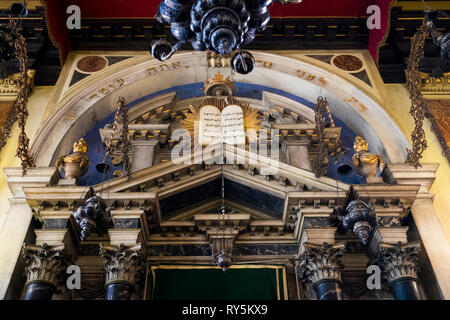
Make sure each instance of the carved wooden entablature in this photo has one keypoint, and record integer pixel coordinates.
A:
(307, 199)
(196, 233)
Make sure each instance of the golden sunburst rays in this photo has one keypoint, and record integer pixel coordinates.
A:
(192, 116)
(251, 116)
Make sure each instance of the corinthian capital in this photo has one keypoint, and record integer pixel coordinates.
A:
(320, 262)
(44, 263)
(399, 260)
(122, 263)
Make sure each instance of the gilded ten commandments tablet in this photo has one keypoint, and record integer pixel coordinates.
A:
(226, 126)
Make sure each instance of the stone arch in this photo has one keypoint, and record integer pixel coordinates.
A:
(93, 98)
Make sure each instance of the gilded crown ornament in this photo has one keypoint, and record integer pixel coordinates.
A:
(218, 86)
(76, 164)
(366, 163)
(80, 146)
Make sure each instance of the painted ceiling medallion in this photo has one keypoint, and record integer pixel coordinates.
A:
(348, 63)
(91, 64)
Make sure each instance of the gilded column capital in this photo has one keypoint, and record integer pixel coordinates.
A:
(321, 262)
(122, 263)
(399, 260)
(45, 263)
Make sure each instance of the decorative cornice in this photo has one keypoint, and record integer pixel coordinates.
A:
(432, 85)
(9, 88)
(399, 260)
(44, 263)
(320, 262)
(35, 177)
(408, 175)
(122, 263)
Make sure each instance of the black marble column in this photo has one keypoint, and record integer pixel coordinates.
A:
(320, 266)
(39, 291)
(118, 291)
(399, 263)
(328, 289)
(406, 289)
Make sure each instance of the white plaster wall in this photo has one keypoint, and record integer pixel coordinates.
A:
(14, 224)
(37, 104)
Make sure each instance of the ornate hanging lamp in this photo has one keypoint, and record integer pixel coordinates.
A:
(360, 219)
(224, 258)
(124, 143)
(358, 216)
(440, 39)
(19, 9)
(93, 216)
(221, 26)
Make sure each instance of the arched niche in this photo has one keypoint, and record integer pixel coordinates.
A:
(95, 97)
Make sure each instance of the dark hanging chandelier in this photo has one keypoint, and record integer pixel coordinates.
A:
(440, 39)
(224, 258)
(221, 26)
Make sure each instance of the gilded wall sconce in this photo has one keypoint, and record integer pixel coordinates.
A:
(76, 164)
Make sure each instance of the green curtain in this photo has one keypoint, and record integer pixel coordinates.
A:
(242, 282)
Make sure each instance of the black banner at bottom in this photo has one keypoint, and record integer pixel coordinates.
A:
(218, 309)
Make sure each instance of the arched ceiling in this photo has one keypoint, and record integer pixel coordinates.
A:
(89, 101)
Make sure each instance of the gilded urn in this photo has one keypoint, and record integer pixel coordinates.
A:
(366, 163)
(76, 164)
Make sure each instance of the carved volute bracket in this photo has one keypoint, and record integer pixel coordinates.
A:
(320, 262)
(220, 243)
(122, 263)
(45, 263)
(399, 260)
